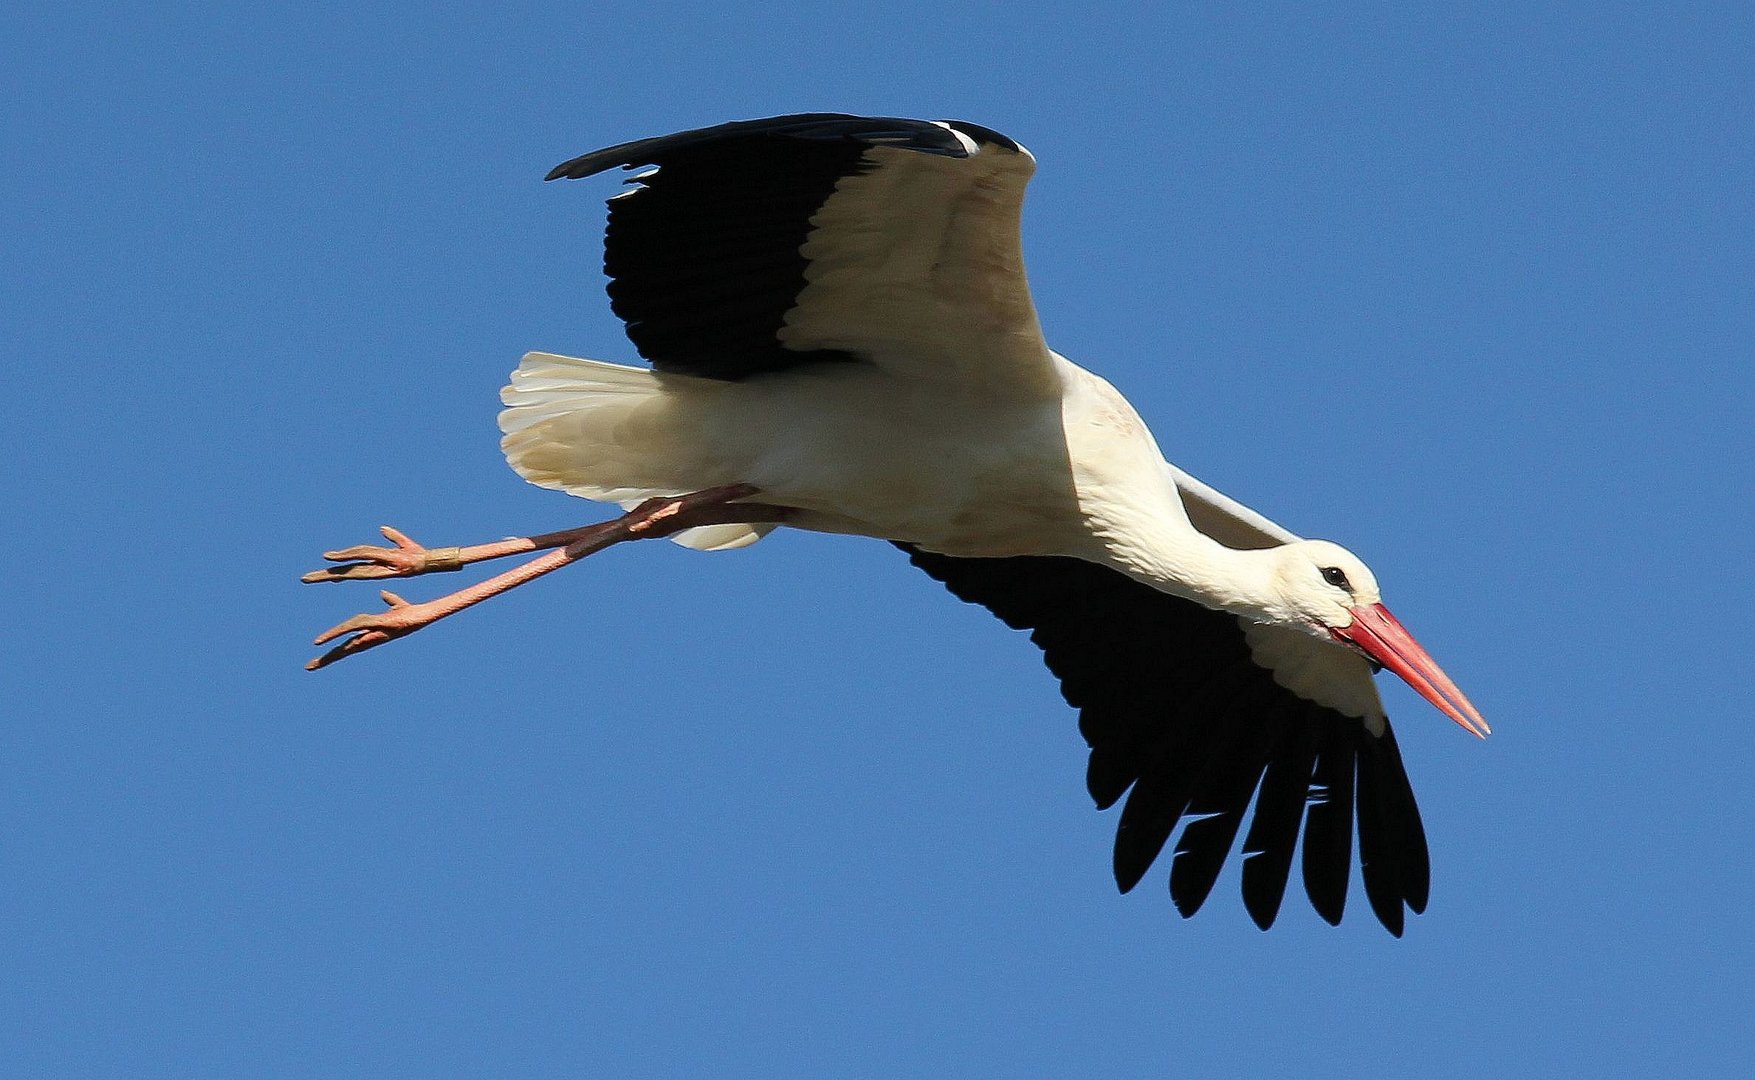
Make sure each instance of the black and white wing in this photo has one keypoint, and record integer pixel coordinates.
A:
(766, 245)
(1188, 712)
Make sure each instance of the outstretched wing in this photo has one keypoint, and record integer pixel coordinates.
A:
(1184, 706)
(766, 245)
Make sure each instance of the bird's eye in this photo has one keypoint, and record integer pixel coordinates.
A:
(1337, 577)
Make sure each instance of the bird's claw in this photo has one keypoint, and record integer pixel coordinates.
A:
(364, 562)
(370, 631)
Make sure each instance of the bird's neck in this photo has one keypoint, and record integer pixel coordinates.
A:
(1174, 557)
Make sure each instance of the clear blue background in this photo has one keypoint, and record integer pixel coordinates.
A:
(1470, 289)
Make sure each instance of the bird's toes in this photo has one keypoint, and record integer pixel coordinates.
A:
(366, 562)
(359, 571)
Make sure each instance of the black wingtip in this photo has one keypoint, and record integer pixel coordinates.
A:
(1187, 903)
(1260, 914)
(1129, 870)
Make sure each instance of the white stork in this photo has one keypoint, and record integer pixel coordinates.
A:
(842, 340)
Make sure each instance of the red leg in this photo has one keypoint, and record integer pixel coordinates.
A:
(408, 558)
(652, 519)
(364, 562)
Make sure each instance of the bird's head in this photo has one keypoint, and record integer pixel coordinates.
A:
(1321, 583)
(1327, 591)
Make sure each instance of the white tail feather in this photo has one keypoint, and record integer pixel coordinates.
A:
(616, 434)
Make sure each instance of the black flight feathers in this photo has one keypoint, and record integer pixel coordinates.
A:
(1175, 708)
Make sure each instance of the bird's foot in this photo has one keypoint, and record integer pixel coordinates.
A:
(653, 518)
(368, 561)
(370, 631)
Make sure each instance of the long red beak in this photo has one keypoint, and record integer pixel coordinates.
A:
(1382, 637)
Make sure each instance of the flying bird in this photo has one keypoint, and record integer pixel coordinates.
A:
(842, 340)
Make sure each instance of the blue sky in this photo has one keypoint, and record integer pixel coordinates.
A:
(1464, 288)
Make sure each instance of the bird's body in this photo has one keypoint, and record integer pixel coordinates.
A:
(854, 449)
(842, 340)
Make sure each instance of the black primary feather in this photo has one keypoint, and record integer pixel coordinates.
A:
(1175, 708)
